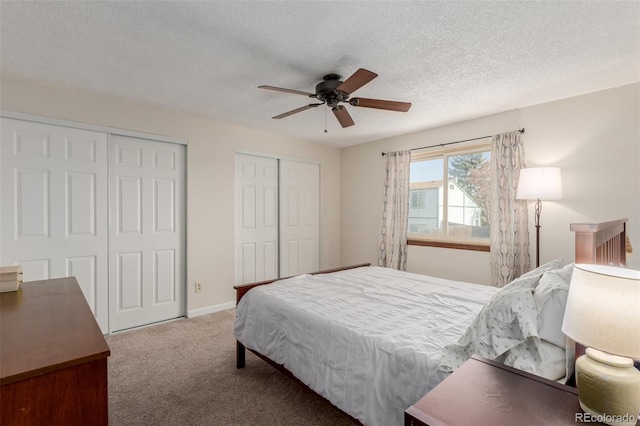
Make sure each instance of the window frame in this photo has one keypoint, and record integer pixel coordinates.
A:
(446, 241)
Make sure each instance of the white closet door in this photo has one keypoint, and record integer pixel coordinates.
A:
(146, 252)
(299, 217)
(54, 206)
(256, 219)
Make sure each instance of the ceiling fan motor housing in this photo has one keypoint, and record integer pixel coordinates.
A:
(326, 90)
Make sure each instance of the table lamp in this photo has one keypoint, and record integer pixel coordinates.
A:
(603, 314)
(539, 183)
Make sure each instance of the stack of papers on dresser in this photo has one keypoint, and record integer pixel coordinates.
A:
(10, 278)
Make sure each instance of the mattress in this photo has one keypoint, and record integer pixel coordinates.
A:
(368, 339)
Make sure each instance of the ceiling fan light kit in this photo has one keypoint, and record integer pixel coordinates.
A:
(332, 91)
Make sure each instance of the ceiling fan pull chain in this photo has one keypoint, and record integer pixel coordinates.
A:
(325, 120)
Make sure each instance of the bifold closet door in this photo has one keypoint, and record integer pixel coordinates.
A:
(54, 206)
(256, 218)
(299, 217)
(147, 229)
(277, 218)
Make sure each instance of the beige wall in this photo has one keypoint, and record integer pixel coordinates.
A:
(210, 174)
(594, 138)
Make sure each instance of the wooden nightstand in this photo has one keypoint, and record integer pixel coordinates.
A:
(483, 392)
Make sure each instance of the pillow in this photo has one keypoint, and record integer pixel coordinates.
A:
(549, 266)
(570, 358)
(549, 360)
(527, 281)
(550, 298)
(509, 319)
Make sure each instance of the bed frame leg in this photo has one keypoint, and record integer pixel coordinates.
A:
(240, 353)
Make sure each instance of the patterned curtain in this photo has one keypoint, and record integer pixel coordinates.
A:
(395, 213)
(508, 216)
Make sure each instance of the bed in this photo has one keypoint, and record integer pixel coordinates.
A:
(373, 340)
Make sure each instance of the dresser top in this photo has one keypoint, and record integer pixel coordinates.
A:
(46, 326)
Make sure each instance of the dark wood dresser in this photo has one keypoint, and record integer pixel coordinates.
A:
(53, 357)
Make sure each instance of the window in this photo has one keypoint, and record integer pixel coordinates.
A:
(455, 214)
(417, 200)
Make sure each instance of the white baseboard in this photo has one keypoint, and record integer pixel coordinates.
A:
(211, 309)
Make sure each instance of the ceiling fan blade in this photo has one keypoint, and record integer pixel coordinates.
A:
(356, 81)
(280, 89)
(343, 116)
(380, 104)
(295, 111)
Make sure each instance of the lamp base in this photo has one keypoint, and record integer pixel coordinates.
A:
(608, 388)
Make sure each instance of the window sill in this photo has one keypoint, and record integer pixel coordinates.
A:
(448, 244)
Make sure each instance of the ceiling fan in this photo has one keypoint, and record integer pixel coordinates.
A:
(332, 91)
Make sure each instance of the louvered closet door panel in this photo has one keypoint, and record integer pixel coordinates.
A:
(256, 221)
(54, 206)
(147, 206)
(299, 217)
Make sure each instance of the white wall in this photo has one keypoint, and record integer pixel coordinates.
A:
(593, 138)
(210, 174)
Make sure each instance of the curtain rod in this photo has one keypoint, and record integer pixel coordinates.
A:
(451, 143)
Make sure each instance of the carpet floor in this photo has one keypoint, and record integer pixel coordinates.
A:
(183, 373)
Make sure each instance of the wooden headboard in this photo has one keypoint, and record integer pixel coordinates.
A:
(601, 243)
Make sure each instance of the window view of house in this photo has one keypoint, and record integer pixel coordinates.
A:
(458, 209)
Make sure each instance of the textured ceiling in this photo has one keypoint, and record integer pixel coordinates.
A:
(453, 60)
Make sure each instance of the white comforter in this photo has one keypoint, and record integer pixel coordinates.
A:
(368, 339)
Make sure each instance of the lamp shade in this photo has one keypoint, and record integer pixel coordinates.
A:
(603, 309)
(540, 183)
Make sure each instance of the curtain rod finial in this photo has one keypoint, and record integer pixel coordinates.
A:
(521, 130)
